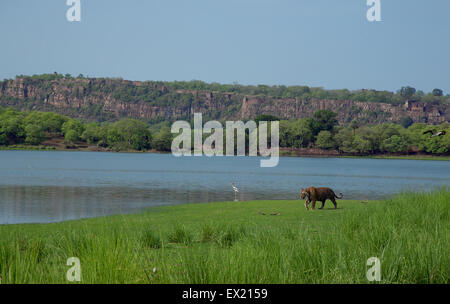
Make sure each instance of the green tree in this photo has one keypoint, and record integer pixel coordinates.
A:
(72, 136)
(265, 117)
(162, 141)
(34, 134)
(407, 92)
(417, 138)
(113, 136)
(361, 145)
(323, 120)
(284, 133)
(396, 144)
(437, 92)
(129, 134)
(325, 140)
(344, 140)
(93, 133)
(295, 134)
(366, 140)
(49, 122)
(436, 145)
(354, 125)
(72, 130)
(12, 130)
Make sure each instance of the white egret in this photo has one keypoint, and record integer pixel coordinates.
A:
(236, 190)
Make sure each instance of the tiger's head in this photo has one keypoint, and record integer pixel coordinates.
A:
(304, 193)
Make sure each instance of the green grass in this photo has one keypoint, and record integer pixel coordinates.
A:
(231, 242)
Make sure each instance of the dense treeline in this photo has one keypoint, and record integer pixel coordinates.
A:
(148, 92)
(320, 131)
(33, 128)
(323, 132)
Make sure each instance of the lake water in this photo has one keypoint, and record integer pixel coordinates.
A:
(50, 186)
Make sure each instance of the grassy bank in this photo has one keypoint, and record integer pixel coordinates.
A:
(416, 157)
(410, 157)
(234, 242)
(320, 153)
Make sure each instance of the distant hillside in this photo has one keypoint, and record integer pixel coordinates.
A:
(106, 99)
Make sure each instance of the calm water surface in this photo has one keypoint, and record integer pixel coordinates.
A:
(48, 186)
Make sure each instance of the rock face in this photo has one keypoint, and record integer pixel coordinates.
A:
(111, 99)
(347, 110)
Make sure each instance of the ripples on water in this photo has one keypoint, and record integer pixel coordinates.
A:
(48, 186)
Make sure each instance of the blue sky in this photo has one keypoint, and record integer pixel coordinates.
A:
(326, 43)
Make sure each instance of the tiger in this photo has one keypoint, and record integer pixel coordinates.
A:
(313, 194)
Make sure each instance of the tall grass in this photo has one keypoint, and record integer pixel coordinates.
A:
(232, 243)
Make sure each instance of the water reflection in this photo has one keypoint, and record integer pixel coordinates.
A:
(27, 204)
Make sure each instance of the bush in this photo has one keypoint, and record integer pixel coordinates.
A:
(228, 236)
(207, 233)
(151, 239)
(180, 235)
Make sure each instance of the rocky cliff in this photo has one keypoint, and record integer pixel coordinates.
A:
(111, 99)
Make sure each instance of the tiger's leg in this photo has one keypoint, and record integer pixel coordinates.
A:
(323, 204)
(306, 204)
(334, 202)
(313, 204)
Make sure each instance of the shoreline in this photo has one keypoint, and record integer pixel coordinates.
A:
(166, 208)
(305, 152)
(284, 152)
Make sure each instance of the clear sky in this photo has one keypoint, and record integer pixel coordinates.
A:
(326, 43)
